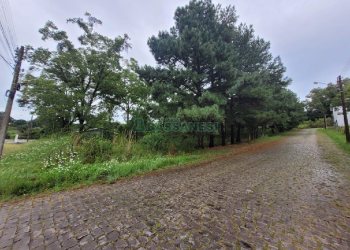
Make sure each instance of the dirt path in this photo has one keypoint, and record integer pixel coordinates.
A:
(291, 195)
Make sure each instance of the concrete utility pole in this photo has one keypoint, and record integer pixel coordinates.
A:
(11, 97)
(346, 122)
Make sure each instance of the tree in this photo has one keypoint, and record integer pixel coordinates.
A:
(74, 83)
(336, 100)
(256, 87)
(207, 54)
(135, 93)
(190, 60)
(319, 102)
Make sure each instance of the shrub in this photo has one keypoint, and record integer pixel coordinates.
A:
(95, 149)
(33, 133)
(124, 147)
(318, 123)
(168, 143)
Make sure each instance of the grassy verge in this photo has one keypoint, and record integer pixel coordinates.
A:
(338, 137)
(23, 172)
(10, 148)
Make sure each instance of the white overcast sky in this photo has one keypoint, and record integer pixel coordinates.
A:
(311, 36)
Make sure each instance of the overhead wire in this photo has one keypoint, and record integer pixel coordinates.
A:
(6, 61)
(4, 47)
(11, 23)
(7, 30)
(9, 47)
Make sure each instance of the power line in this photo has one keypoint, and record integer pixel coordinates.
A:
(5, 49)
(7, 33)
(6, 61)
(6, 9)
(7, 14)
(6, 40)
(11, 21)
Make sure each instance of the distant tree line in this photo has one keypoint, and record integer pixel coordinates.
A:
(320, 101)
(210, 68)
(24, 129)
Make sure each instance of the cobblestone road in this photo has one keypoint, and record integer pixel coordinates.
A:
(289, 195)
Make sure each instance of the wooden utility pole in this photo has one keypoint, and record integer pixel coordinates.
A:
(346, 122)
(10, 99)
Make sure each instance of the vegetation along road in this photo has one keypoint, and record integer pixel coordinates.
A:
(292, 193)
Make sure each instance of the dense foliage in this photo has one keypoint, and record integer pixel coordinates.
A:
(209, 68)
(320, 101)
(214, 81)
(213, 69)
(79, 84)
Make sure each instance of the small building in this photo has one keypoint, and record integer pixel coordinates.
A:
(338, 117)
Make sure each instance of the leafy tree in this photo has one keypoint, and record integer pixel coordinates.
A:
(190, 61)
(135, 96)
(259, 80)
(336, 100)
(319, 102)
(74, 83)
(289, 111)
(207, 53)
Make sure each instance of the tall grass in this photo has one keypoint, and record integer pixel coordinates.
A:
(60, 162)
(10, 148)
(338, 137)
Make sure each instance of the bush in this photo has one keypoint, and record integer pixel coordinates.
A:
(125, 148)
(11, 132)
(168, 143)
(34, 133)
(95, 149)
(318, 123)
(155, 141)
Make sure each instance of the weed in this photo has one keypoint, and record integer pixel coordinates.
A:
(338, 137)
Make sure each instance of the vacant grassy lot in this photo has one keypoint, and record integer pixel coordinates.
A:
(10, 148)
(338, 137)
(45, 165)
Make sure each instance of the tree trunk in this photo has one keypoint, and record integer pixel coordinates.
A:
(238, 135)
(81, 125)
(200, 141)
(232, 132)
(211, 141)
(223, 134)
(128, 112)
(324, 121)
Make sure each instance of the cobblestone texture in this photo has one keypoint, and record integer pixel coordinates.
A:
(285, 196)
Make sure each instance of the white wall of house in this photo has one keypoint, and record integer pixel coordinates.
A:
(338, 117)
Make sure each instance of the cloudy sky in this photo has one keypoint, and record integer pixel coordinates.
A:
(311, 36)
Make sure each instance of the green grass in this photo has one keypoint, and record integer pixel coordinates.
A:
(24, 170)
(12, 132)
(338, 137)
(10, 148)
